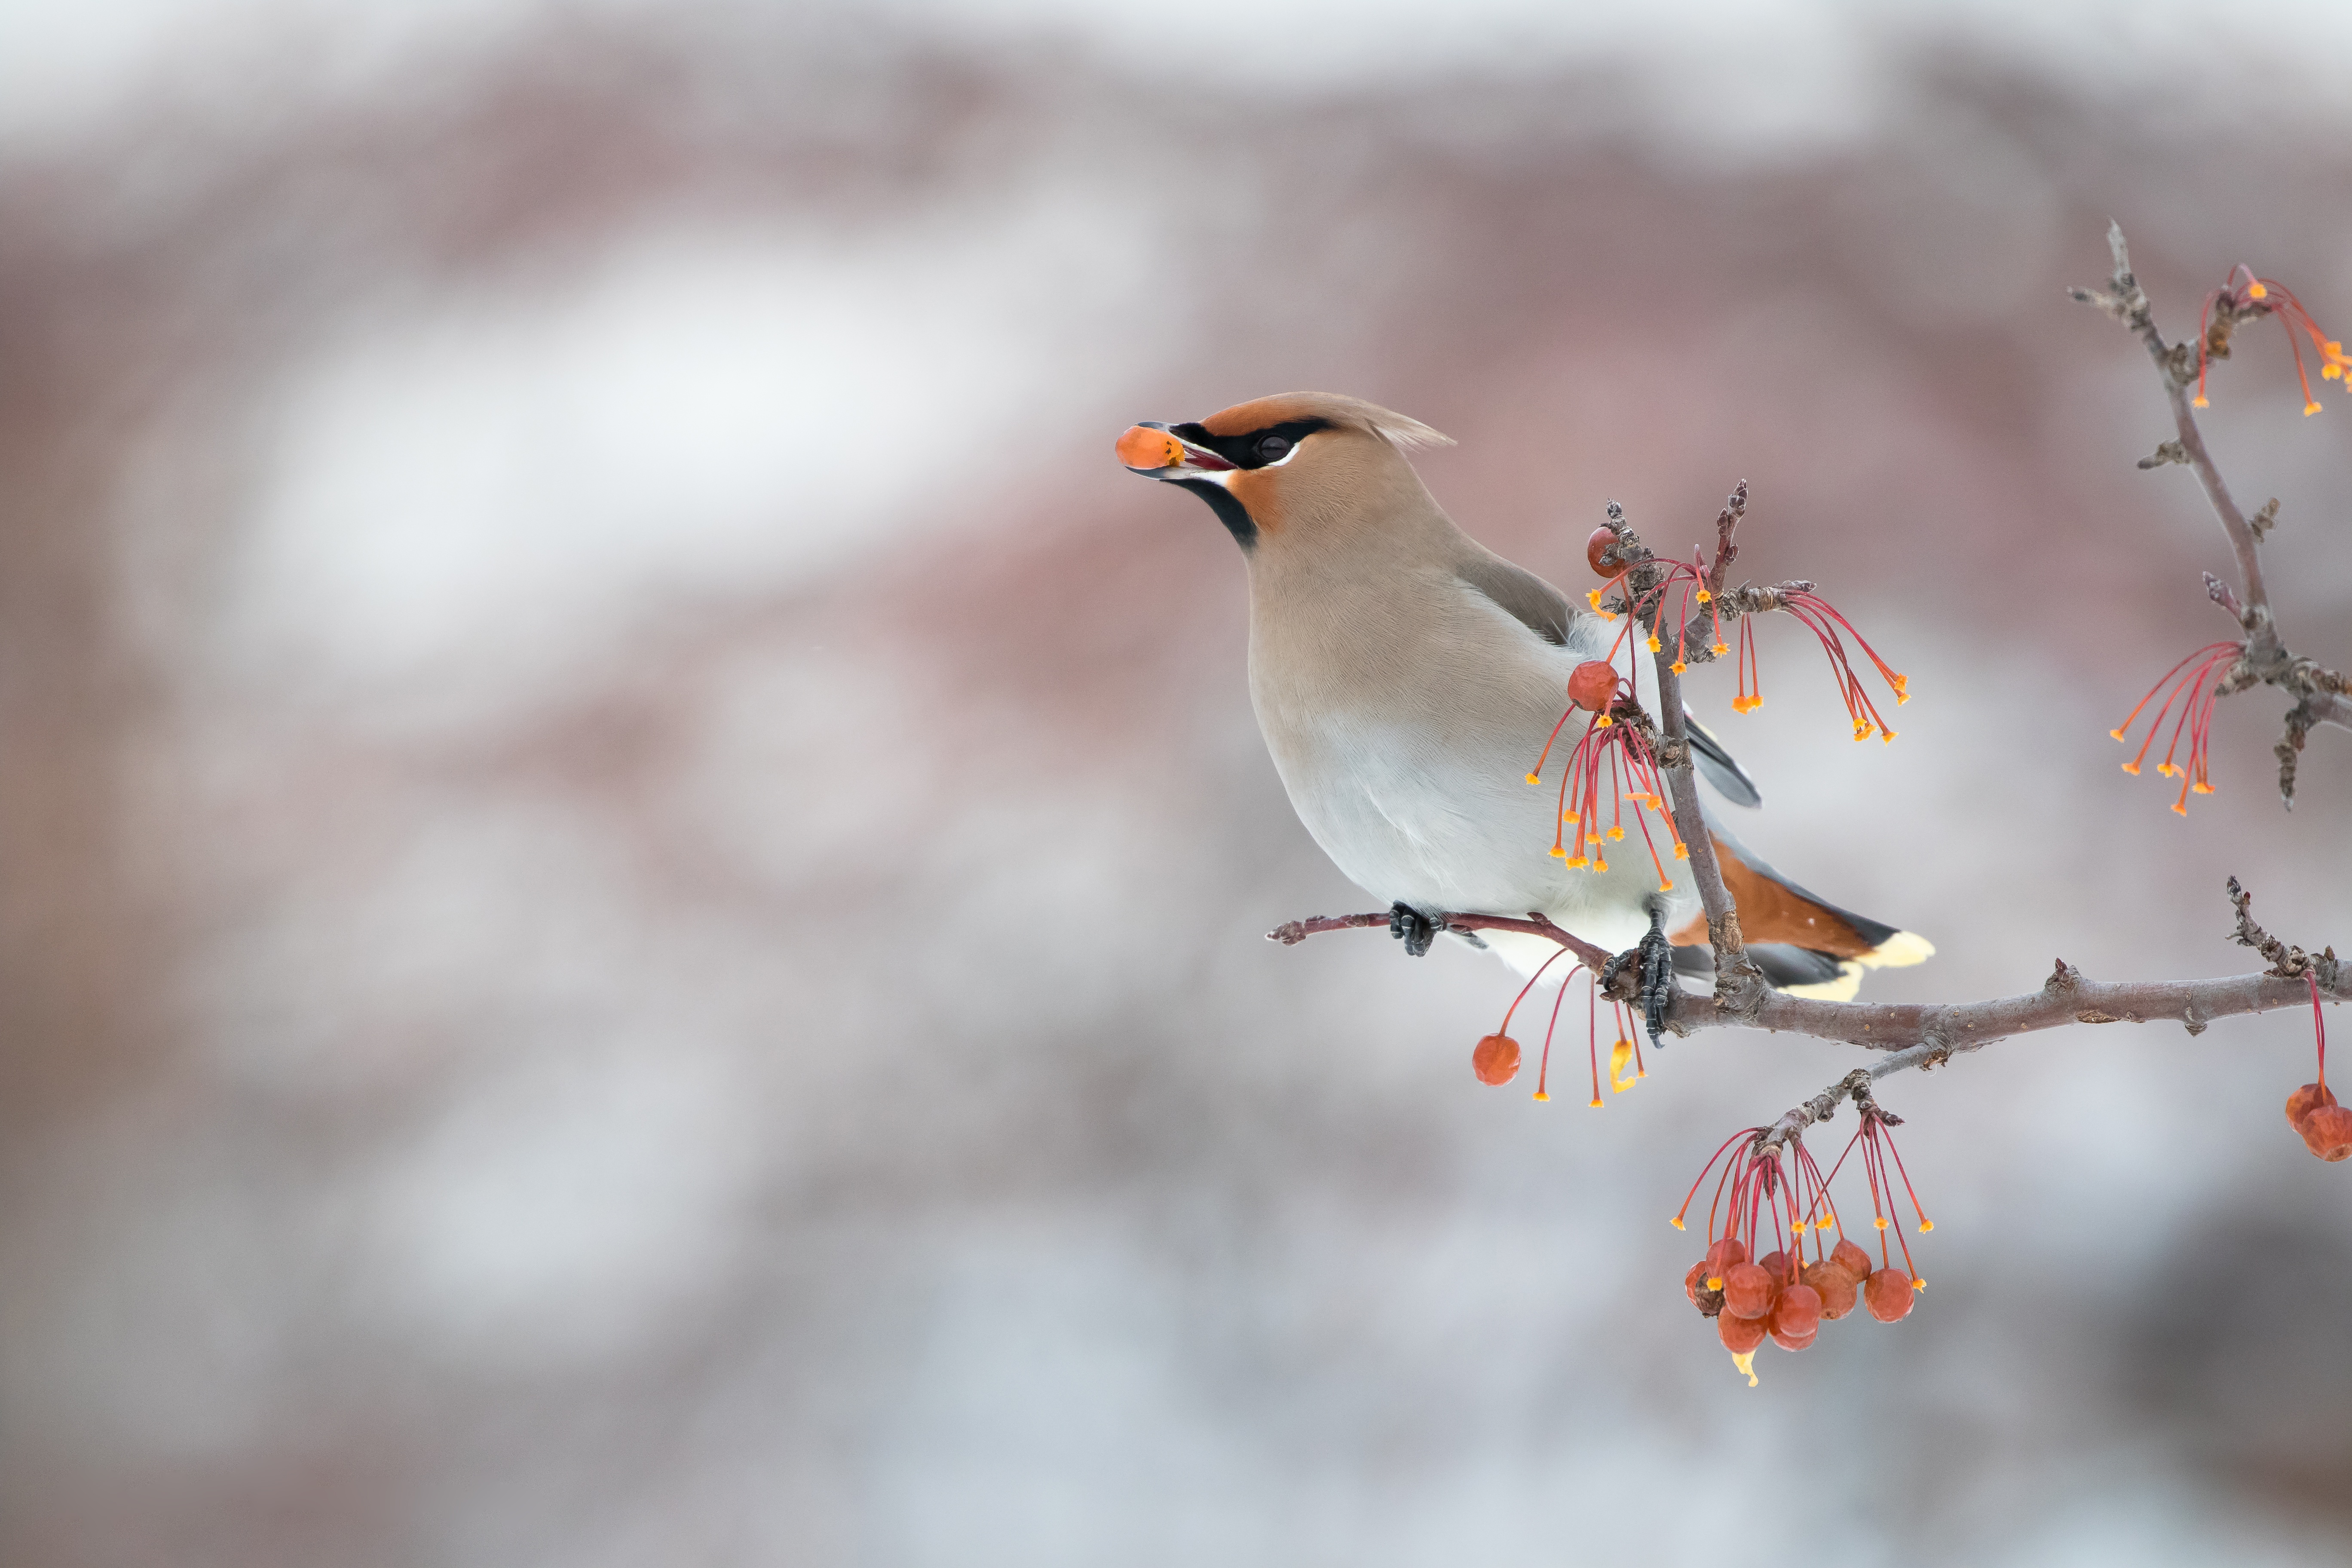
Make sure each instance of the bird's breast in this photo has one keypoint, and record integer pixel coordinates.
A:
(1405, 741)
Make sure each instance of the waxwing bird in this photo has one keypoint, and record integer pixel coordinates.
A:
(1405, 678)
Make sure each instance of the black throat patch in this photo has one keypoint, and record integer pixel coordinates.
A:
(1228, 507)
(1252, 449)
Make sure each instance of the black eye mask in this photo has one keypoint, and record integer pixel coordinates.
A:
(1258, 448)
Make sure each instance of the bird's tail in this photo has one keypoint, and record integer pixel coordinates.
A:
(1806, 945)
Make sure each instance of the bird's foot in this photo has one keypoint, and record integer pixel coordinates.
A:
(1413, 928)
(1652, 964)
(1657, 979)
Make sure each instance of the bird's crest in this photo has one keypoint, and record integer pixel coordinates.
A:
(1334, 408)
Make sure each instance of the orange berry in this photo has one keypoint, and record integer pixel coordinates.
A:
(1851, 1258)
(1834, 1287)
(1888, 1294)
(1794, 1341)
(2305, 1100)
(1798, 1313)
(1746, 1291)
(1592, 684)
(1495, 1058)
(1594, 546)
(1776, 1264)
(1725, 1253)
(1739, 1335)
(2327, 1132)
(1695, 1280)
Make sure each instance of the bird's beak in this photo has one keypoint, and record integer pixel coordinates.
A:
(1154, 450)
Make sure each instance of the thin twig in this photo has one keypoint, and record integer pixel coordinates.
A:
(2178, 370)
(1789, 1126)
(1292, 932)
(1726, 523)
(2287, 962)
(2319, 692)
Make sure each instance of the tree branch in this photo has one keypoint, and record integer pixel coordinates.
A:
(1740, 986)
(1928, 1034)
(2319, 692)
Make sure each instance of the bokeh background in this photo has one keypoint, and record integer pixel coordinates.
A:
(631, 872)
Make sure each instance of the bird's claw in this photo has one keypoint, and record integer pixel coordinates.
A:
(1657, 956)
(1413, 928)
(1654, 988)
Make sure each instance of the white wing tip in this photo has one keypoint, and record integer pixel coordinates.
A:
(1901, 951)
(1841, 989)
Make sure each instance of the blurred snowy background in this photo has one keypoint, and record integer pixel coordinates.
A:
(631, 869)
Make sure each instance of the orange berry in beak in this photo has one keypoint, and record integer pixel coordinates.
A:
(1145, 448)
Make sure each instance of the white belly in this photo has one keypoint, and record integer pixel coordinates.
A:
(1420, 794)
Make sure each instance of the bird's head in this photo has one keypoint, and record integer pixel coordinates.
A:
(1297, 466)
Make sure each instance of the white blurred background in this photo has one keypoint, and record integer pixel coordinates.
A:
(631, 871)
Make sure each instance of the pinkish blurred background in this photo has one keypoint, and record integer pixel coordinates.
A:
(631, 869)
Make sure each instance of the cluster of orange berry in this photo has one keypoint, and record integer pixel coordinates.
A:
(1781, 1296)
(2325, 1126)
(1774, 1297)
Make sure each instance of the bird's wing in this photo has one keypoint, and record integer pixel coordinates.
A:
(1772, 908)
(1777, 909)
(1715, 765)
(1545, 611)
(1804, 945)
(1800, 971)
(1525, 597)
(1784, 966)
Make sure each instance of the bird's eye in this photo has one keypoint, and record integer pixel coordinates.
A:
(1273, 448)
